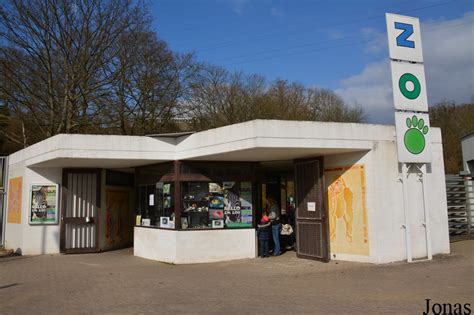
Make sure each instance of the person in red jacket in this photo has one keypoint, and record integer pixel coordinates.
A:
(263, 234)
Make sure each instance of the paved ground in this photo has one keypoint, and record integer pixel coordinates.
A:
(118, 282)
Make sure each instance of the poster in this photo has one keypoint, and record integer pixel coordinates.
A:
(44, 204)
(238, 204)
(348, 230)
(216, 202)
(246, 194)
(216, 214)
(15, 186)
(228, 185)
(238, 218)
(215, 188)
(166, 189)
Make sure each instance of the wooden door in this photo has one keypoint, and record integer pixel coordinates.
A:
(311, 217)
(80, 211)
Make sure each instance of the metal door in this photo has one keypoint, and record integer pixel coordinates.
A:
(80, 211)
(311, 216)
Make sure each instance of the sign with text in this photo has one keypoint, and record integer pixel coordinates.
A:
(44, 204)
(404, 37)
(409, 86)
(413, 137)
(409, 89)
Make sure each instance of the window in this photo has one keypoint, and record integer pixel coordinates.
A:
(155, 205)
(217, 205)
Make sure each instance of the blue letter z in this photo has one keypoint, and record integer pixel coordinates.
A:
(402, 38)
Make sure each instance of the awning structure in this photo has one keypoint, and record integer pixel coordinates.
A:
(257, 140)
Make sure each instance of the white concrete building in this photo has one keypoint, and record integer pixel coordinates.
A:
(188, 198)
(467, 144)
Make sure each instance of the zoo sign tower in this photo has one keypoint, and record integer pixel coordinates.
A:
(409, 89)
(412, 122)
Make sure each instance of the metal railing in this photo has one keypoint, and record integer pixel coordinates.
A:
(460, 200)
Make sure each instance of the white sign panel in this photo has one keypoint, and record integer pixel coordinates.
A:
(409, 86)
(311, 206)
(413, 137)
(404, 37)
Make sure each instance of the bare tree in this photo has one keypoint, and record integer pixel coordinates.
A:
(58, 61)
(151, 85)
(95, 66)
(325, 105)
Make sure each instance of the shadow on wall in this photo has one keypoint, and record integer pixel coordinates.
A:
(51, 175)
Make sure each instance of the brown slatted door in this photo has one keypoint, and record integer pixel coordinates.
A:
(80, 211)
(311, 218)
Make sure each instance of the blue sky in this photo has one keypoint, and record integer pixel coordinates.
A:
(339, 45)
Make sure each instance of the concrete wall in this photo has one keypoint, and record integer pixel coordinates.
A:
(385, 208)
(185, 247)
(32, 239)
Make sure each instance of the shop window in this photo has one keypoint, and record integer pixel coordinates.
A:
(155, 205)
(216, 205)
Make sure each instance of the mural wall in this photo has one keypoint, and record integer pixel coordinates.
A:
(15, 186)
(348, 228)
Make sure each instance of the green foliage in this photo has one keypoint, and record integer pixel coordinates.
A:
(455, 121)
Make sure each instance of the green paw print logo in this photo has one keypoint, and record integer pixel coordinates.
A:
(415, 135)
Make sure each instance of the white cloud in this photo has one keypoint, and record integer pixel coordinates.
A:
(377, 39)
(276, 12)
(238, 6)
(448, 49)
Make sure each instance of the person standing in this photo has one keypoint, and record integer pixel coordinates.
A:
(274, 215)
(263, 234)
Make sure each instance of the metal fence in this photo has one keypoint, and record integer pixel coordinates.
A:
(460, 195)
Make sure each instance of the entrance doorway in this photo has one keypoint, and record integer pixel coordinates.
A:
(278, 184)
(80, 211)
(297, 186)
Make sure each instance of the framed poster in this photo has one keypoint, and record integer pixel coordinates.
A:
(44, 201)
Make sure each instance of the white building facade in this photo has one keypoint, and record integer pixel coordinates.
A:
(193, 198)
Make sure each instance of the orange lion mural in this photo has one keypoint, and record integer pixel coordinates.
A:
(348, 232)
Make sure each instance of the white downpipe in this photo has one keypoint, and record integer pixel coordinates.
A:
(426, 213)
(405, 212)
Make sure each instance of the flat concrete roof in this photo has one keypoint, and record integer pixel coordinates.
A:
(256, 140)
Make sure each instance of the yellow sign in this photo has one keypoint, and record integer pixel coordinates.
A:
(348, 229)
(15, 186)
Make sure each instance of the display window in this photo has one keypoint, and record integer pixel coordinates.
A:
(216, 205)
(155, 205)
(195, 195)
